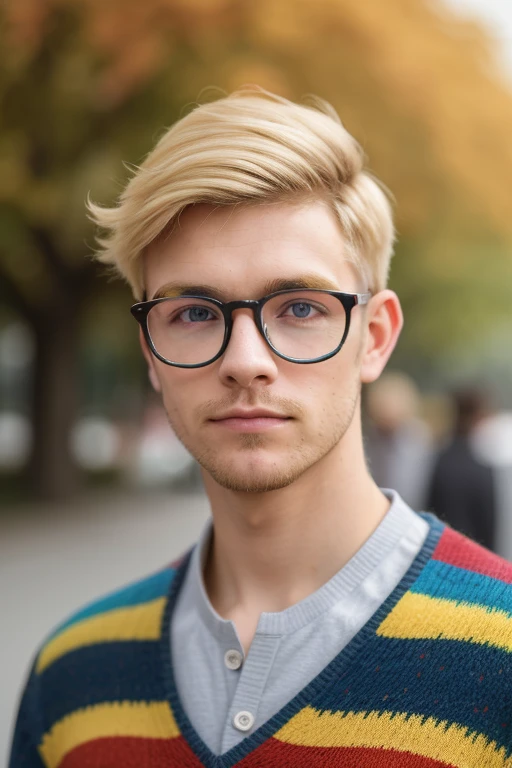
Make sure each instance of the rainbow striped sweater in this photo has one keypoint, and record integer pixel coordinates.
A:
(426, 683)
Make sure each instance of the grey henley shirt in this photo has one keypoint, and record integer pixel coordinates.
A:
(227, 695)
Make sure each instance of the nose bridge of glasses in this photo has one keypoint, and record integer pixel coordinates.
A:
(253, 305)
(249, 304)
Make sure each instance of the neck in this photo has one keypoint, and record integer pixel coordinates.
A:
(271, 550)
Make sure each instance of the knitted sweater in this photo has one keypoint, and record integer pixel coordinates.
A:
(426, 683)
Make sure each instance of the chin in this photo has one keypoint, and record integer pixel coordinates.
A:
(245, 483)
(253, 476)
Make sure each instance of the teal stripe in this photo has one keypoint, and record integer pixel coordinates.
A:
(151, 588)
(446, 581)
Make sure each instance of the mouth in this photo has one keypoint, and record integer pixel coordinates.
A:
(256, 420)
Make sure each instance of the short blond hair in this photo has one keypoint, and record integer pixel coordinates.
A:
(250, 147)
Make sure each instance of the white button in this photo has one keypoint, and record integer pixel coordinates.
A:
(244, 721)
(233, 659)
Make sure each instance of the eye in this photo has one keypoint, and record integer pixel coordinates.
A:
(301, 310)
(197, 314)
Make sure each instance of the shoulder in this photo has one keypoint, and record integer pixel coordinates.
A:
(459, 552)
(132, 612)
(463, 593)
(467, 575)
(104, 655)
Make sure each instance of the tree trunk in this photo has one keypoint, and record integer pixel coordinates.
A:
(53, 471)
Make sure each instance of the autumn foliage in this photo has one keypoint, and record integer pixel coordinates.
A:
(86, 85)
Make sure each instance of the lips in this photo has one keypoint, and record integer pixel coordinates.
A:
(250, 420)
(257, 413)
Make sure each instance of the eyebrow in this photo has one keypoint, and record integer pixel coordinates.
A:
(174, 290)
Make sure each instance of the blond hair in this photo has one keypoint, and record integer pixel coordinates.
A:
(250, 147)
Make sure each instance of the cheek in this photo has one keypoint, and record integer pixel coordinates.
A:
(327, 380)
(170, 388)
(180, 393)
(169, 399)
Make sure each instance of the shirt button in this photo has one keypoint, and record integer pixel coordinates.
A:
(233, 659)
(243, 721)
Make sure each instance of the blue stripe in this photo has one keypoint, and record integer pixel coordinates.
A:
(446, 581)
(150, 588)
(101, 674)
(431, 678)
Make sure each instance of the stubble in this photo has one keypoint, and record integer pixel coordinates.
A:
(254, 474)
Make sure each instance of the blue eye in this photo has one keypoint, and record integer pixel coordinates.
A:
(301, 309)
(196, 315)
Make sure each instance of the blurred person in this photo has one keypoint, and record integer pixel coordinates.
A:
(318, 620)
(398, 445)
(492, 445)
(462, 488)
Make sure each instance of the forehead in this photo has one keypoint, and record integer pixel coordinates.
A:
(239, 249)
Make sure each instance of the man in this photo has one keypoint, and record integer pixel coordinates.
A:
(319, 621)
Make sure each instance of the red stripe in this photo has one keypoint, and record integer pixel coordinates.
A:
(455, 549)
(131, 752)
(277, 754)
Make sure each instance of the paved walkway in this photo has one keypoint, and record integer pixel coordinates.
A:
(54, 559)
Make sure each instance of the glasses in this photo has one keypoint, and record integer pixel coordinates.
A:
(301, 326)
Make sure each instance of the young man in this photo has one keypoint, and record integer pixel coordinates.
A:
(319, 621)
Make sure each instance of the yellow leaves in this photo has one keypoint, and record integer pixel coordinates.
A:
(287, 23)
(132, 67)
(25, 22)
(417, 85)
(247, 70)
(441, 77)
(13, 171)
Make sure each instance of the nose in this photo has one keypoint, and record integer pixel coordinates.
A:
(248, 358)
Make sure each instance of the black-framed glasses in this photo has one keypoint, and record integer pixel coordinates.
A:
(301, 326)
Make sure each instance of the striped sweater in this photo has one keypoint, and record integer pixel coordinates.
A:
(426, 683)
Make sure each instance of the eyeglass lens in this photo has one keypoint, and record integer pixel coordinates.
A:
(303, 325)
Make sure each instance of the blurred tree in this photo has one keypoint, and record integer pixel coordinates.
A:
(85, 83)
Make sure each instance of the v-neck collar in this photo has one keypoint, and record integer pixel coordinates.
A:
(326, 677)
(382, 541)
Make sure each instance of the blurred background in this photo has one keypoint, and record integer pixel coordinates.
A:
(94, 488)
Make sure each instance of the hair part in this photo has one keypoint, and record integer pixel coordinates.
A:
(250, 147)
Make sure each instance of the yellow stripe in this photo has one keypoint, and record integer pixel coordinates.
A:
(419, 616)
(142, 622)
(150, 720)
(435, 739)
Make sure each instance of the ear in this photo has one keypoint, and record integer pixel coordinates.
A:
(384, 323)
(150, 360)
